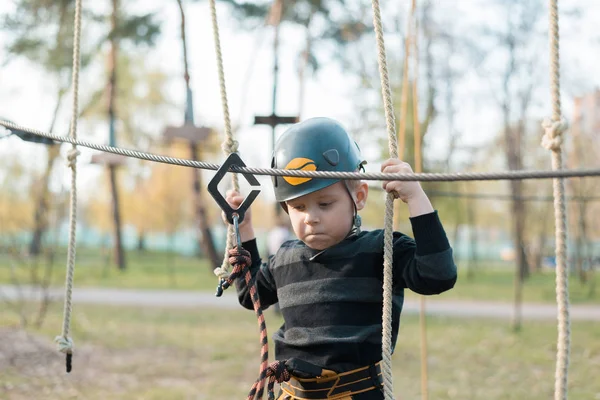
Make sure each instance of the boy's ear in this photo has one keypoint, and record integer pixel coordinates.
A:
(361, 193)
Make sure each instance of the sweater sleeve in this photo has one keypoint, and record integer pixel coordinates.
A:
(426, 264)
(265, 285)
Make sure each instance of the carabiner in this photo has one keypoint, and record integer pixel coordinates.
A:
(233, 160)
(236, 216)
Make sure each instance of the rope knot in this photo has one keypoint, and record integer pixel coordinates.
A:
(72, 158)
(240, 259)
(277, 372)
(230, 146)
(65, 344)
(237, 257)
(553, 132)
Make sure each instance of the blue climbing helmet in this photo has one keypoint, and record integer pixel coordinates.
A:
(316, 144)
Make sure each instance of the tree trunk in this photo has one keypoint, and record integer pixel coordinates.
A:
(513, 143)
(205, 239)
(455, 233)
(518, 215)
(171, 261)
(46, 299)
(141, 241)
(119, 254)
(112, 91)
(472, 240)
(40, 223)
(305, 55)
(536, 254)
(518, 219)
(582, 245)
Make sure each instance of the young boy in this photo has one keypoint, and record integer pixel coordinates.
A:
(329, 282)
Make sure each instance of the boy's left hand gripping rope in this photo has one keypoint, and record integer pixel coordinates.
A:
(236, 216)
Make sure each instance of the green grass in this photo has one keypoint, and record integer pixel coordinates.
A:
(490, 281)
(146, 270)
(140, 353)
(497, 284)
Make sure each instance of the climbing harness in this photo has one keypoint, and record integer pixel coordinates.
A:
(331, 385)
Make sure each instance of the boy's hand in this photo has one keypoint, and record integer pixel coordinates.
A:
(403, 190)
(235, 200)
(409, 192)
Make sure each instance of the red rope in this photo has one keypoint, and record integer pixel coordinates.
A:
(277, 371)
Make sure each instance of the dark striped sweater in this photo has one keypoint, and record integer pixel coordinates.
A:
(331, 300)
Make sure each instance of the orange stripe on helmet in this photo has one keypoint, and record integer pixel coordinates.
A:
(302, 164)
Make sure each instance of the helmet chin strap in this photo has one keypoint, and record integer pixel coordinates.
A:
(357, 223)
(356, 220)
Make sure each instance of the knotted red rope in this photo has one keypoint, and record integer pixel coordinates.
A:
(240, 260)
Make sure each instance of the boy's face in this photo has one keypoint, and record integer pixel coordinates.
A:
(324, 218)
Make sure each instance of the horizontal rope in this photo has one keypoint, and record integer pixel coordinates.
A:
(497, 196)
(373, 176)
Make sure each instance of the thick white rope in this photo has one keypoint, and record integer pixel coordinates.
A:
(65, 343)
(386, 350)
(229, 145)
(552, 140)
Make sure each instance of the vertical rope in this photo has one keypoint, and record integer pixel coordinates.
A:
(552, 140)
(229, 145)
(65, 343)
(388, 384)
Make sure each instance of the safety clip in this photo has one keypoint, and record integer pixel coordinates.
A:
(234, 216)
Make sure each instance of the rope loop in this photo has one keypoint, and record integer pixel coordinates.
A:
(221, 272)
(553, 133)
(72, 158)
(278, 372)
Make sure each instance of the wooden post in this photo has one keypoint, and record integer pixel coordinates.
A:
(195, 135)
(273, 121)
(112, 161)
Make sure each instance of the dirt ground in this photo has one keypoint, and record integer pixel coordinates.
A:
(31, 367)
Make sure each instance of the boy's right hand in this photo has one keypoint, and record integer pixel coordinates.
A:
(234, 199)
